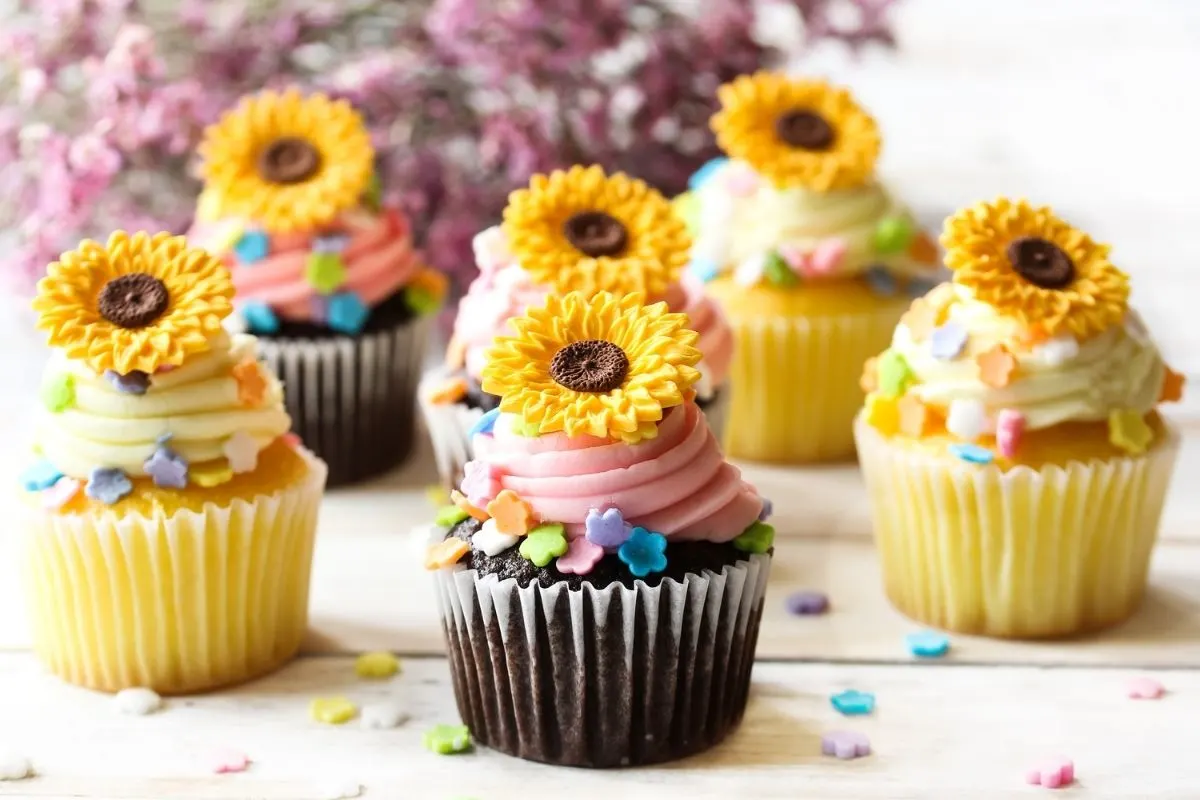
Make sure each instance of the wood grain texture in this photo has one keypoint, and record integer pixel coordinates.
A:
(939, 731)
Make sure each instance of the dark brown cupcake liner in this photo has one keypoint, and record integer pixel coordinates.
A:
(603, 677)
(352, 399)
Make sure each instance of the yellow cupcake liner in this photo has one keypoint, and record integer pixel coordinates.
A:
(178, 603)
(1018, 553)
(795, 382)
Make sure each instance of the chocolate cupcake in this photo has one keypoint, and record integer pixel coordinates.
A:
(573, 230)
(602, 572)
(326, 277)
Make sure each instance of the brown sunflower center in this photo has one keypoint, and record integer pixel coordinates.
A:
(592, 365)
(289, 159)
(133, 301)
(596, 234)
(1040, 262)
(804, 129)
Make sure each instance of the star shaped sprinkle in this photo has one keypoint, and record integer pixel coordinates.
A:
(376, 665)
(259, 317)
(211, 473)
(948, 341)
(449, 516)
(251, 386)
(108, 485)
(996, 366)
(882, 413)
(1172, 386)
(581, 558)
(241, 451)
(166, 468)
(447, 739)
(491, 541)
(62, 492)
(325, 272)
(757, 538)
(894, 374)
(135, 382)
(58, 392)
(40, 475)
(512, 514)
(845, 745)
(1127, 429)
(606, 528)
(332, 710)
(445, 553)
(1010, 425)
(927, 644)
(543, 544)
(777, 271)
(967, 419)
(252, 246)
(853, 703)
(347, 313)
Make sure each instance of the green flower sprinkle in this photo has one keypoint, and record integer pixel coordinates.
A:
(449, 516)
(448, 739)
(778, 272)
(421, 301)
(892, 235)
(758, 538)
(58, 392)
(543, 544)
(894, 374)
(325, 271)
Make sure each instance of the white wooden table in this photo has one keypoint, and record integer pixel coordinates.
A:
(1080, 104)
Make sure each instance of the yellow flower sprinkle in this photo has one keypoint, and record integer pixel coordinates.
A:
(376, 665)
(332, 710)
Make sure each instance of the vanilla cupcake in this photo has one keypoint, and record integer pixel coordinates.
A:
(809, 256)
(168, 517)
(1016, 464)
(327, 277)
(573, 230)
(601, 576)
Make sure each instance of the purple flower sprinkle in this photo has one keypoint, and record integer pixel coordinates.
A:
(947, 341)
(167, 468)
(807, 603)
(607, 529)
(136, 382)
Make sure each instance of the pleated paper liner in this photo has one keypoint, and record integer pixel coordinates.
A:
(179, 604)
(352, 399)
(603, 677)
(1023, 553)
(449, 426)
(796, 382)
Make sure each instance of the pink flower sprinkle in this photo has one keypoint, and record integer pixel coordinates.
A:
(581, 558)
(1136, 689)
(60, 493)
(227, 761)
(1054, 774)
(741, 181)
(1010, 425)
(827, 257)
(481, 483)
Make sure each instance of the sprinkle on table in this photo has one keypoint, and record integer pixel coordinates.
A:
(383, 716)
(853, 703)
(332, 710)
(807, 603)
(845, 744)
(1144, 688)
(377, 665)
(448, 739)
(137, 701)
(225, 762)
(1055, 773)
(14, 766)
(927, 644)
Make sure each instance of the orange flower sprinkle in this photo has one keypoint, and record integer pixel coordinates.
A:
(869, 381)
(923, 249)
(922, 317)
(913, 419)
(445, 553)
(460, 500)
(996, 366)
(449, 392)
(456, 353)
(512, 514)
(1172, 387)
(252, 387)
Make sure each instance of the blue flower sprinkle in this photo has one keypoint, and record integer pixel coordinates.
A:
(484, 424)
(972, 453)
(881, 281)
(644, 552)
(705, 173)
(252, 246)
(347, 313)
(259, 317)
(108, 485)
(40, 475)
(927, 644)
(705, 269)
(853, 703)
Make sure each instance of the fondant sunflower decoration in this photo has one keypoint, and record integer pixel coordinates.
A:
(582, 230)
(287, 162)
(797, 133)
(1030, 265)
(139, 302)
(606, 366)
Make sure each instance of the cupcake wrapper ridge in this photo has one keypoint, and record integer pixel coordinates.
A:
(182, 603)
(1021, 553)
(351, 399)
(603, 677)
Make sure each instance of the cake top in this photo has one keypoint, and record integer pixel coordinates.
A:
(583, 230)
(289, 162)
(1033, 331)
(597, 446)
(795, 199)
(144, 384)
(797, 132)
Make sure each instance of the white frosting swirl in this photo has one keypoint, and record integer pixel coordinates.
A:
(196, 404)
(1116, 370)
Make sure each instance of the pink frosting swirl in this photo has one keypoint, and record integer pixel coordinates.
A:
(677, 484)
(378, 258)
(503, 290)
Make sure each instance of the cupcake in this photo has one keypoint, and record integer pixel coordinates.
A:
(168, 516)
(578, 230)
(809, 256)
(1017, 467)
(601, 574)
(327, 278)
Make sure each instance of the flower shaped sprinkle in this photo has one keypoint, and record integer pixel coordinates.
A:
(544, 543)
(448, 739)
(167, 468)
(108, 485)
(332, 710)
(581, 558)
(757, 538)
(512, 514)
(376, 665)
(251, 386)
(481, 483)
(606, 529)
(644, 552)
(445, 553)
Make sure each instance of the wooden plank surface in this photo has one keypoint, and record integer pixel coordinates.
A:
(939, 731)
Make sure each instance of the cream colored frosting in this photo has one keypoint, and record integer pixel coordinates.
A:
(735, 227)
(1055, 382)
(196, 404)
